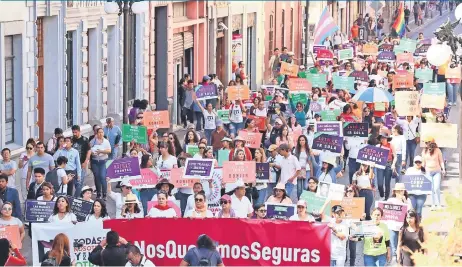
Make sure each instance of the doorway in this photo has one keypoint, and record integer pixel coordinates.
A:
(220, 60)
(189, 61)
(177, 76)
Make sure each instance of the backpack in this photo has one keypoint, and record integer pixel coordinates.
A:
(50, 262)
(203, 261)
(52, 177)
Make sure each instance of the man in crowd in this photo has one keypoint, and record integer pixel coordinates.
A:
(114, 135)
(135, 258)
(8, 167)
(240, 203)
(290, 168)
(111, 251)
(39, 160)
(274, 63)
(11, 195)
(73, 166)
(35, 189)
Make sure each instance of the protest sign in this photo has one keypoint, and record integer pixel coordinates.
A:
(332, 128)
(88, 234)
(165, 174)
(345, 54)
(315, 203)
(370, 49)
(330, 115)
(407, 103)
(263, 240)
(393, 212)
(403, 80)
(445, 134)
(223, 115)
(386, 56)
(424, 74)
(315, 106)
(280, 211)
(208, 91)
(354, 207)
(331, 191)
(317, 80)
(379, 106)
(408, 45)
(252, 139)
(138, 134)
(324, 55)
(434, 95)
(421, 50)
(213, 191)
(156, 119)
(262, 172)
(148, 179)
(198, 168)
(175, 205)
(358, 129)
(234, 170)
(389, 120)
(11, 233)
(374, 154)
(343, 82)
(404, 58)
(386, 47)
(299, 84)
(238, 92)
(328, 142)
(289, 69)
(363, 229)
(178, 180)
(360, 76)
(38, 211)
(298, 98)
(417, 184)
(119, 168)
(260, 122)
(316, 48)
(80, 208)
(453, 73)
(223, 155)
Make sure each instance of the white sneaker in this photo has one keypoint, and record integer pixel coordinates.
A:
(433, 208)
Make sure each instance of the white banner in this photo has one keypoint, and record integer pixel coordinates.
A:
(89, 234)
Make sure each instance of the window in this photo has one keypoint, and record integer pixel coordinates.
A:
(179, 10)
(271, 36)
(69, 80)
(283, 32)
(9, 90)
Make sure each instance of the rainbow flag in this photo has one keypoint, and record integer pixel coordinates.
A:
(325, 27)
(398, 25)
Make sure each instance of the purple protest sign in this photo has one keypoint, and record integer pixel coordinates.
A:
(393, 212)
(280, 211)
(316, 48)
(417, 184)
(374, 154)
(386, 48)
(386, 56)
(331, 143)
(206, 92)
(331, 128)
(198, 169)
(119, 168)
(359, 129)
(389, 120)
(315, 107)
(262, 172)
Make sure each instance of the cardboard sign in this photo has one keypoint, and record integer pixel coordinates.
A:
(252, 140)
(238, 92)
(120, 168)
(138, 134)
(178, 180)
(208, 91)
(332, 128)
(407, 103)
(403, 80)
(223, 114)
(198, 168)
(386, 47)
(324, 55)
(315, 203)
(148, 179)
(434, 95)
(316, 48)
(404, 58)
(453, 73)
(370, 49)
(299, 84)
(330, 115)
(356, 129)
(327, 142)
(172, 204)
(298, 98)
(317, 80)
(379, 106)
(343, 82)
(393, 212)
(156, 119)
(424, 74)
(262, 172)
(445, 134)
(234, 170)
(11, 233)
(374, 154)
(80, 208)
(280, 211)
(408, 45)
(223, 155)
(260, 122)
(38, 211)
(289, 69)
(354, 207)
(331, 191)
(345, 54)
(417, 184)
(363, 229)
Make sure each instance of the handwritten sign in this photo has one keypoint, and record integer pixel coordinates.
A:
(252, 140)
(138, 134)
(332, 128)
(299, 84)
(238, 92)
(354, 207)
(407, 103)
(148, 179)
(262, 172)
(223, 114)
(404, 58)
(280, 211)
(289, 69)
(417, 184)
(403, 80)
(386, 47)
(11, 233)
(453, 73)
(343, 82)
(178, 180)
(317, 80)
(434, 95)
(363, 229)
(315, 203)
(198, 168)
(327, 142)
(39, 211)
(298, 98)
(325, 55)
(370, 49)
(408, 45)
(119, 168)
(156, 119)
(234, 170)
(80, 208)
(345, 54)
(445, 134)
(357, 129)
(208, 91)
(393, 212)
(424, 74)
(374, 154)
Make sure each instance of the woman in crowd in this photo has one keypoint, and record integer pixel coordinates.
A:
(197, 187)
(60, 254)
(205, 246)
(236, 111)
(293, 125)
(190, 139)
(147, 194)
(162, 209)
(98, 211)
(363, 181)
(200, 153)
(410, 240)
(284, 137)
(131, 208)
(226, 210)
(399, 145)
(303, 153)
(175, 142)
(279, 195)
(384, 175)
(208, 154)
(86, 193)
(7, 219)
(239, 144)
(62, 211)
(259, 212)
(126, 188)
(313, 185)
(165, 186)
(260, 157)
(302, 214)
(24, 164)
(200, 209)
(239, 155)
(432, 161)
(166, 159)
(417, 198)
(299, 111)
(210, 118)
(10, 254)
(47, 192)
(352, 192)
(377, 250)
(100, 148)
(328, 171)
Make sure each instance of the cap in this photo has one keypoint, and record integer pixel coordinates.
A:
(428, 139)
(337, 209)
(280, 186)
(301, 202)
(238, 138)
(239, 183)
(226, 197)
(272, 147)
(278, 121)
(417, 158)
(85, 188)
(126, 183)
(283, 147)
(227, 139)
(219, 123)
(206, 78)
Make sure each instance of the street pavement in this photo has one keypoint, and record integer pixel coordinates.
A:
(449, 184)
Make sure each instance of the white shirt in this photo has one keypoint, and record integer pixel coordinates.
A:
(63, 187)
(354, 144)
(194, 214)
(209, 118)
(129, 215)
(242, 207)
(399, 145)
(362, 181)
(156, 213)
(190, 205)
(295, 217)
(69, 217)
(8, 166)
(338, 247)
(144, 262)
(325, 177)
(409, 128)
(289, 167)
(92, 218)
(25, 166)
(236, 114)
(12, 221)
(168, 163)
(105, 145)
(41, 198)
(277, 161)
(261, 113)
(119, 201)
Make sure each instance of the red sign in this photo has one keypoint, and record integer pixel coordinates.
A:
(252, 140)
(260, 122)
(148, 179)
(325, 54)
(299, 84)
(259, 242)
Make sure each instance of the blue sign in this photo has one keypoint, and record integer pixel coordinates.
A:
(39, 211)
(417, 184)
(262, 172)
(81, 208)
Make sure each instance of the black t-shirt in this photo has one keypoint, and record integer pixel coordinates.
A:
(82, 145)
(65, 261)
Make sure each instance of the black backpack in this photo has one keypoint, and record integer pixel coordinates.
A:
(203, 261)
(50, 262)
(52, 177)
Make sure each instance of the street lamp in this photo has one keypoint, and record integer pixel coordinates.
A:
(127, 8)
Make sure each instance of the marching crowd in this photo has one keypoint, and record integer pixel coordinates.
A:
(287, 124)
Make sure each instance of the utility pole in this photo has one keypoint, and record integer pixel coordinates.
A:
(307, 33)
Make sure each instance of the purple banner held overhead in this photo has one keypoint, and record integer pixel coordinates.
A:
(359, 129)
(386, 56)
(206, 92)
(327, 142)
(120, 168)
(374, 154)
(198, 169)
(389, 120)
(386, 48)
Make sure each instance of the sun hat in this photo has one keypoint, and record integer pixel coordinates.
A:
(126, 183)
(417, 158)
(131, 198)
(238, 138)
(272, 147)
(278, 121)
(330, 161)
(85, 188)
(162, 182)
(227, 139)
(399, 187)
(428, 138)
(280, 186)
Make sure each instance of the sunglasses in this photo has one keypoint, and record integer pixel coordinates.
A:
(199, 199)
(300, 207)
(202, 147)
(139, 118)
(129, 188)
(418, 162)
(263, 211)
(29, 148)
(223, 202)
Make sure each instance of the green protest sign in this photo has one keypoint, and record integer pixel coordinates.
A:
(223, 114)
(192, 150)
(223, 155)
(302, 74)
(345, 54)
(267, 98)
(424, 74)
(315, 203)
(407, 45)
(343, 83)
(139, 134)
(300, 97)
(330, 115)
(437, 89)
(317, 80)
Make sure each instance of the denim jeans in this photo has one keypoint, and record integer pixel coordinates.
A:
(146, 195)
(411, 146)
(384, 176)
(114, 152)
(262, 196)
(235, 127)
(338, 262)
(353, 167)
(208, 135)
(99, 172)
(302, 184)
(418, 202)
(393, 241)
(398, 167)
(436, 187)
(352, 248)
(183, 198)
(368, 196)
(381, 260)
(452, 89)
(289, 188)
(199, 118)
(269, 189)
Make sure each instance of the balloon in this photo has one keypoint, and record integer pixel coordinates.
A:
(458, 12)
(438, 54)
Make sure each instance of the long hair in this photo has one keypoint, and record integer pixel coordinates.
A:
(57, 142)
(432, 147)
(68, 208)
(4, 251)
(49, 185)
(204, 241)
(314, 180)
(176, 144)
(263, 155)
(247, 122)
(144, 161)
(237, 153)
(103, 208)
(286, 138)
(354, 188)
(405, 194)
(412, 213)
(59, 248)
(136, 209)
(168, 145)
(298, 147)
(195, 139)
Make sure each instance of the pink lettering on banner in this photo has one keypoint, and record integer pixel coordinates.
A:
(148, 179)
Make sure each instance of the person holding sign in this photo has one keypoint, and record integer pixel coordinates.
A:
(302, 214)
(339, 237)
(239, 145)
(417, 199)
(328, 171)
(210, 119)
(7, 219)
(236, 111)
(432, 161)
(377, 250)
(62, 212)
(363, 180)
(10, 254)
(384, 175)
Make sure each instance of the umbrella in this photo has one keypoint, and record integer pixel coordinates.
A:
(372, 95)
(360, 76)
